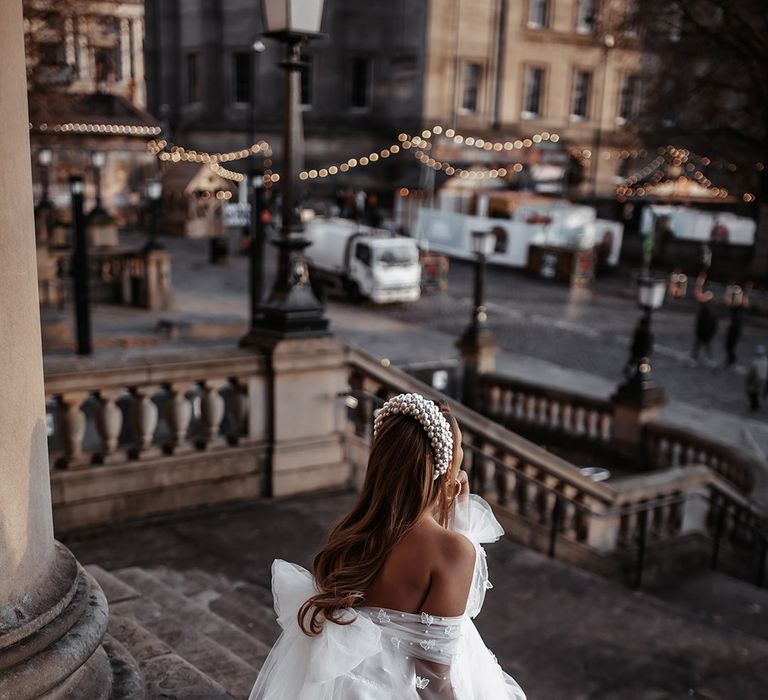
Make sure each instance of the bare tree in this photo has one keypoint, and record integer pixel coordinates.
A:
(706, 88)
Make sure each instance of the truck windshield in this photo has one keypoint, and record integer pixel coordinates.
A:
(396, 257)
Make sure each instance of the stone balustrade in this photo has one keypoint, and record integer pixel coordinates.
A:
(673, 447)
(518, 404)
(548, 504)
(118, 414)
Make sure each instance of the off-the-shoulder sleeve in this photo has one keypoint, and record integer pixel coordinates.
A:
(300, 666)
(474, 519)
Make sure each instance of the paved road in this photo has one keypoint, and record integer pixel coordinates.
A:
(589, 331)
(585, 331)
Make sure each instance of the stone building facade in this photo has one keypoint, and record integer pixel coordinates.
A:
(494, 68)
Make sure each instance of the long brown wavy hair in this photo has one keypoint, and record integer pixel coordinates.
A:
(398, 487)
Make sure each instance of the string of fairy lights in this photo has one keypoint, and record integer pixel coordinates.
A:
(418, 145)
(688, 166)
(640, 184)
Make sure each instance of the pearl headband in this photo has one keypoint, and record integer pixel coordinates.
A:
(432, 420)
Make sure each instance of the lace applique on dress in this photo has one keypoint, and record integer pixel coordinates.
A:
(427, 619)
(382, 617)
(427, 644)
(421, 683)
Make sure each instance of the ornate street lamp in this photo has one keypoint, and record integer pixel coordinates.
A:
(44, 208)
(153, 190)
(98, 161)
(292, 309)
(477, 346)
(256, 255)
(639, 386)
(80, 268)
(44, 158)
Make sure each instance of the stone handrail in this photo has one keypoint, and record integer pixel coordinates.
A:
(516, 403)
(551, 502)
(667, 446)
(139, 409)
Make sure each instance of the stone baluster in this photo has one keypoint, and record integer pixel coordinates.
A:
(177, 411)
(568, 511)
(674, 454)
(143, 415)
(530, 408)
(507, 402)
(523, 489)
(567, 417)
(605, 427)
(237, 409)
(541, 411)
(72, 422)
(579, 427)
(504, 476)
(109, 423)
(554, 415)
(211, 412)
(593, 431)
(492, 396)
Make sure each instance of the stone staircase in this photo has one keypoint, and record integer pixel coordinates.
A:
(194, 636)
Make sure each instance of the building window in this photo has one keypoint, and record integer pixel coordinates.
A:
(361, 82)
(585, 16)
(241, 78)
(630, 18)
(628, 99)
(471, 87)
(533, 93)
(194, 71)
(538, 13)
(582, 85)
(306, 81)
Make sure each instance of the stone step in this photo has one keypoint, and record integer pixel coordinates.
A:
(127, 678)
(238, 602)
(171, 677)
(114, 589)
(165, 674)
(720, 600)
(215, 646)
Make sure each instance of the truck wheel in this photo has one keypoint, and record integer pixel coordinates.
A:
(353, 292)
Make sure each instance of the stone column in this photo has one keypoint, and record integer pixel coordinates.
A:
(52, 615)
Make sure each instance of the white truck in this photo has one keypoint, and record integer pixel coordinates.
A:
(362, 262)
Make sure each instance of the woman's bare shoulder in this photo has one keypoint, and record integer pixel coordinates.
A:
(440, 546)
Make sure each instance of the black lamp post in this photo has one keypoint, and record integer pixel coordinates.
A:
(44, 158)
(154, 193)
(292, 309)
(256, 255)
(483, 243)
(477, 345)
(80, 268)
(639, 386)
(44, 208)
(98, 161)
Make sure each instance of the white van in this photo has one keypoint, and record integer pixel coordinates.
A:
(362, 262)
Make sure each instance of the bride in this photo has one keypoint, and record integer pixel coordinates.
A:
(388, 613)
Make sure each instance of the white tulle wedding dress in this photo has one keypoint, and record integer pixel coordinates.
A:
(387, 654)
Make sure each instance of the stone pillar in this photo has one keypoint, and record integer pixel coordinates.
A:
(52, 615)
(307, 375)
(140, 93)
(125, 50)
(478, 356)
(636, 402)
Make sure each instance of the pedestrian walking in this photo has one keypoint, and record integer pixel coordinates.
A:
(757, 377)
(706, 324)
(736, 299)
